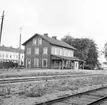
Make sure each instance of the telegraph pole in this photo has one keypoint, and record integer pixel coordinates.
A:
(1, 28)
(19, 46)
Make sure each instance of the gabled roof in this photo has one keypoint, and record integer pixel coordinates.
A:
(51, 41)
(10, 49)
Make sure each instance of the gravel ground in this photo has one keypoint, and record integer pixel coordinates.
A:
(28, 93)
(25, 94)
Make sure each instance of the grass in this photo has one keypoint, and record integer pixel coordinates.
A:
(38, 89)
(62, 85)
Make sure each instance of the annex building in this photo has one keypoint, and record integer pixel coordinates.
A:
(9, 57)
(42, 51)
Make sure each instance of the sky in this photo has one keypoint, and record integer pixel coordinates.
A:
(78, 18)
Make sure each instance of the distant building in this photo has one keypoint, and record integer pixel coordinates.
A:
(10, 54)
(105, 51)
(102, 60)
(41, 51)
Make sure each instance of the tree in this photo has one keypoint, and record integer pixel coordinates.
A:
(86, 50)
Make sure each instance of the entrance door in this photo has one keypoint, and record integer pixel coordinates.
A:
(36, 62)
(76, 65)
(28, 63)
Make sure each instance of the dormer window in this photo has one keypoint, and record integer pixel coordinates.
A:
(34, 41)
(39, 41)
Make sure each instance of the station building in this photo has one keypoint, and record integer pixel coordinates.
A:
(42, 51)
(9, 56)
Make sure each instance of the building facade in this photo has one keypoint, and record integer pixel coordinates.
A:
(10, 56)
(41, 51)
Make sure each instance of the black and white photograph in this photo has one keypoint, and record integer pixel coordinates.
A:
(53, 52)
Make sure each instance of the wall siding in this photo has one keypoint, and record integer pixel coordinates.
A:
(55, 50)
(40, 56)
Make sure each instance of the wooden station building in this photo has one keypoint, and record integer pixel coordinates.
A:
(41, 51)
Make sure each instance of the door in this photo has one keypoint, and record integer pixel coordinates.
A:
(76, 65)
(36, 63)
(28, 63)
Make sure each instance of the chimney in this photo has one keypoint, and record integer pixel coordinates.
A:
(45, 34)
(54, 37)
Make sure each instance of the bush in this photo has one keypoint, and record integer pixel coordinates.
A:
(90, 67)
(36, 91)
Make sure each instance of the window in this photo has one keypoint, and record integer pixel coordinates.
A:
(53, 50)
(56, 51)
(6, 55)
(16, 56)
(36, 50)
(36, 62)
(68, 53)
(61, 52)
(64, 51)
(3, 55)
(34, 41)
(39, 41)
(10, 56)
(44, 62)
(28, 50)
(71, 53)
(45, 50)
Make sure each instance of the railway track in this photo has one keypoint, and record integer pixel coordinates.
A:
(46, 78)
(99, 101)
(86, 97)
(92, 97)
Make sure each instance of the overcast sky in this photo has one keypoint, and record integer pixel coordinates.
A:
(79, 18)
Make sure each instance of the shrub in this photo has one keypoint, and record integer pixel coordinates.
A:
(36, 91)
(90, 67)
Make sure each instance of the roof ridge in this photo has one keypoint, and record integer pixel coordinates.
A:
(52, 41)
(10, 49)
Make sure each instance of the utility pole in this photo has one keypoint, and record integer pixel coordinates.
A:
(19, 46)
(1, 28)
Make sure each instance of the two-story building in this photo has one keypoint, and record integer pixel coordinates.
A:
(41, 51)
(10, 54)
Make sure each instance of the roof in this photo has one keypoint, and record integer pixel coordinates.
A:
(54, 57)
(51, 41)
(10, 49)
